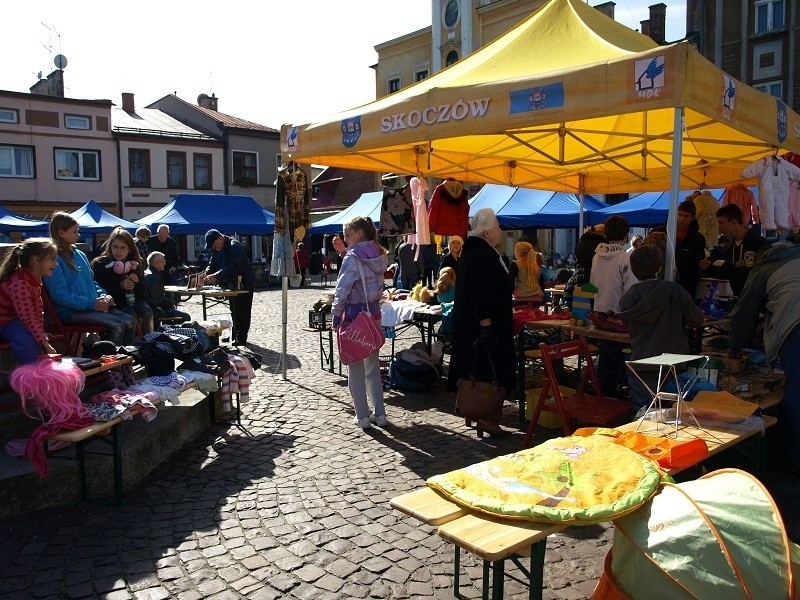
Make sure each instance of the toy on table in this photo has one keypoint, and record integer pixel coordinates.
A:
(709, 306)
(582, 303)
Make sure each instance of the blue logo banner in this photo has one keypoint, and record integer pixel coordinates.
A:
(783, 119)
(537, 98)
(351, 131)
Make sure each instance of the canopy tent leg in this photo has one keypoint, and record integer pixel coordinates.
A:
(674, 190)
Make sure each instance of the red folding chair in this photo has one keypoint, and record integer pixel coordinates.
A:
(69, 335)
(582, 406)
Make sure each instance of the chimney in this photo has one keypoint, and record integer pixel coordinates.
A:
(206, 101)
(645, 27)
(127, 102)
(607, 8)
(52, 86)
(658, 23)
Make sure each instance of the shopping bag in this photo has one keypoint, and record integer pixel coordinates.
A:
(359, 338)
(480, 400)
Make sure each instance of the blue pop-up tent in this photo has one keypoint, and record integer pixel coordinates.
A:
(12, 222)
(367, 205)
(649, 208)
(517, 208)
(197, 213)
(93, 219)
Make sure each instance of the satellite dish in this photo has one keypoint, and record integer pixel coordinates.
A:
(60, 61)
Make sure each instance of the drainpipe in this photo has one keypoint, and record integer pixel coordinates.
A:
(225, 158)
(119, 178)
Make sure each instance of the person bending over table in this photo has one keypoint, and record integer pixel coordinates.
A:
(76, 296)
(120, 270)
(229, 262)
(482, 314)
(776, 280)
(656, 314)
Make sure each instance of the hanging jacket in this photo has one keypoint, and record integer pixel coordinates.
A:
(449, 210)
(706, 206)
(740, 195)
(774, 175)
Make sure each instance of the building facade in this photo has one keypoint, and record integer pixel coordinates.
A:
(160, 157)
(755, 41)
(56, 153)
(252, 154)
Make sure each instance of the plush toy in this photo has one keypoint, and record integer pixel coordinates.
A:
(123, 267)
(708, 306)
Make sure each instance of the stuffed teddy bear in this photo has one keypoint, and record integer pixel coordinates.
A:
(123, 267)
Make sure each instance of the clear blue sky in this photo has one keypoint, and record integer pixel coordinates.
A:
(272, 62)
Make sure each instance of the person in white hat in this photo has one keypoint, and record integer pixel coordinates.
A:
(451, 258)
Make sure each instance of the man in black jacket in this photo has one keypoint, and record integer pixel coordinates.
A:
(739, 255)
(230, 267)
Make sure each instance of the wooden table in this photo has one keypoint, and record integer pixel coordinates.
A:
(495, 539)
(211, 296)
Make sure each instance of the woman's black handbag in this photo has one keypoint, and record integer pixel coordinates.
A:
(480, 400)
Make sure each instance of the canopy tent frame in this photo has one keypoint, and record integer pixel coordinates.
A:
(622, 115)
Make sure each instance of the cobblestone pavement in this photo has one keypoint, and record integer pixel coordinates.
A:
(297, 509)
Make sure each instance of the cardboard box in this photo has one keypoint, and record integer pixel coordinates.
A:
(547, 419)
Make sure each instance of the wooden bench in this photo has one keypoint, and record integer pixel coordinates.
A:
(495, 539)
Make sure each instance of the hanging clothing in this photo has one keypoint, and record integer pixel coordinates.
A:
(740, 195)
(774, 175)
(292, 200)
(706, 206)
(419, 187)
(449, 210)
(397, 211)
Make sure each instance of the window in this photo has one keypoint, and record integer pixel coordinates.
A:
(176, 169)
(202, 171)
(78, 164)
(773, 88)
(139, 168)
(77, 122)
(769, 15)
(245, 171)
(16, 161)
(394, 85)
(420, 75)
(9, 115)
(452, 58)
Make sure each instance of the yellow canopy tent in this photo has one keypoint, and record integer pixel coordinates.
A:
(569, 100)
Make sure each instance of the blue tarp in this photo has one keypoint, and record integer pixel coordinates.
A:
(517, 208)
(197, 213)
(367, 205)
(93, 219)
(649, 208)
(12, 222)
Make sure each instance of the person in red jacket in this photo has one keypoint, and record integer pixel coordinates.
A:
(21, 311)
(301, 261)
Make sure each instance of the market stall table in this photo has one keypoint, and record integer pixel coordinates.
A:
(210, 296)
(495, 539)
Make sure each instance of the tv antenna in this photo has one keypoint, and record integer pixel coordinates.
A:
(49, 47)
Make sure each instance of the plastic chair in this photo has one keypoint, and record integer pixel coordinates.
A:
(582, 406)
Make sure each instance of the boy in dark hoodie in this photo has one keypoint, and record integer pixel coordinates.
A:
(656, 313)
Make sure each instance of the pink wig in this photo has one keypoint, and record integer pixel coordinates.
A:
(50, 389)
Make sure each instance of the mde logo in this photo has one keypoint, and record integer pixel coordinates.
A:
(351, 131)
(783, 120)
(649, 77)
(728, 96)
(291, 139)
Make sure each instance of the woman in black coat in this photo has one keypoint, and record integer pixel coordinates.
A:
(482, 313)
